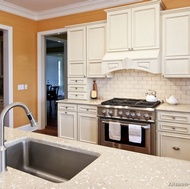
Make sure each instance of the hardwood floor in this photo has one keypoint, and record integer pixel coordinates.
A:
(51, 128)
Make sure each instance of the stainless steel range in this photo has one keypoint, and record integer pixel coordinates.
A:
(127, 124)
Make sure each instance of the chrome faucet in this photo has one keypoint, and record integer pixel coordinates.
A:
(3, 166)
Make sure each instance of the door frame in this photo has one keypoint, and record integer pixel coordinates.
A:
(41, 49)
(8, 70)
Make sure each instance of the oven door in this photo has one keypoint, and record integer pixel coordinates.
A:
(147, 144)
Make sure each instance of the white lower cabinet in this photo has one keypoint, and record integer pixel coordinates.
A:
(67, 116)
(78, 122)
(173, 135)
(174, 145)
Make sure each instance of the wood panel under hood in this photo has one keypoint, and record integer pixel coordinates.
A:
(133, 38)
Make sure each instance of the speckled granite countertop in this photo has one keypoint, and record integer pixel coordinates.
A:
(177, 107)
(112, 170)
(86, 102)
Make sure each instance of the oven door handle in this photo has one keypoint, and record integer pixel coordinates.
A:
(145, 127)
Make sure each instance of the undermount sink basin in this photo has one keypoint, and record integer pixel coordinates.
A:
(48, 161)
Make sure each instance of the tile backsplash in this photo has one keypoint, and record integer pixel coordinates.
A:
(134, 84)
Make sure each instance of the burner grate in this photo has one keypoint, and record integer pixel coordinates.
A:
(131, 103)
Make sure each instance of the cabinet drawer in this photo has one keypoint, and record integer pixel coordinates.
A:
(87, 109)
(67, 107)
(77, 81)
(174, 146)
(77, 95)
(77, 88)
(173, 117)
(174, 127)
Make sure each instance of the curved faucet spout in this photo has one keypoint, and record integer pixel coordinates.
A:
(3, 166)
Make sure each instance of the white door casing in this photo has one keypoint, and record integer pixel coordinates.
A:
(41, 74)
(8, 70)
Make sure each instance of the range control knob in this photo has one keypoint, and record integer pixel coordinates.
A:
(104, 112)
(128, 114)
(146, 116)
(138, 114)
(120, 113)
(133, 115)
(110, 112)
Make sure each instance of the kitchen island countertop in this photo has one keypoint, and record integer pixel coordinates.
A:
(113, 169)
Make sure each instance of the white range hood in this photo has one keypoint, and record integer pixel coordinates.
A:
(146, 60)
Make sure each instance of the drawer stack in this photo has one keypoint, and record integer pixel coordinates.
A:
(77, 88)
(173, 134)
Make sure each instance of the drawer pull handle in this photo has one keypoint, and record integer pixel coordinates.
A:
(176, 148)
(173, 128)
(66, 107)
(76, 88)
(76, 81)
(65, 112)
(87, 109)
(173, 117)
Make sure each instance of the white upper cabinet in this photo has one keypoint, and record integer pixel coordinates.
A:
(77, 51)
(146, 27)
(86, 48)
(133, 27)
(176, 43)
(118, 32)
(96, 48)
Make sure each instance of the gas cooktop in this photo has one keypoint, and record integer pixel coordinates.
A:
(141, 103)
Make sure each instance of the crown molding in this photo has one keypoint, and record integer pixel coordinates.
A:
(13, 9)
(62, 11)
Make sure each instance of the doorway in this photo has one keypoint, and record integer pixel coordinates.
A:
(42, 103)
(55, 83)
(7, 70)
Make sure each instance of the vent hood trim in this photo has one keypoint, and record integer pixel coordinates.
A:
(146, 60)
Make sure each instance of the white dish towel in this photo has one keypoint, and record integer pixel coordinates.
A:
(114, 131)
(135, 133)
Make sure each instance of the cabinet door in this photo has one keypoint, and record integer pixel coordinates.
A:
(67, 125)
(119, 30)
(145, 27)
(87, 128)
(176, 44)
(96, 48)
(77, 52)
(176, 34)
(174, 146)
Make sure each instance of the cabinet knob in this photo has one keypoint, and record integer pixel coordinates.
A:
(76, 81)
(76, 88)
(176, 148)
(173, 128)
(173, 117)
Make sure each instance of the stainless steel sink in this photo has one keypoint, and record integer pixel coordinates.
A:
(48, 161)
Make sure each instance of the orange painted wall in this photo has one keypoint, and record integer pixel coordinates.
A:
(24, 63)
(61, 22)
(25, 55)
